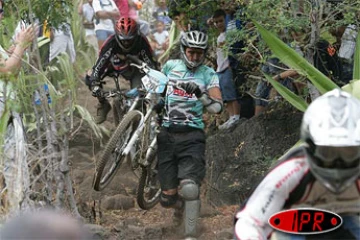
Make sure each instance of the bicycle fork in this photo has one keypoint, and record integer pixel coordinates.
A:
(137, 133)
(150, 152)
(135, 136)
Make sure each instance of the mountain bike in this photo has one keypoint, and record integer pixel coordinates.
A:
(135, 139)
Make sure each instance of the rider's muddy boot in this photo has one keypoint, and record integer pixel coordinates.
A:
(103, 108)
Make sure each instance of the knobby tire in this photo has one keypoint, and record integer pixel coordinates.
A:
(148, 192)
(103, 178)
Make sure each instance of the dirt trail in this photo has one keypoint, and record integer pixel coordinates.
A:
(133, 223)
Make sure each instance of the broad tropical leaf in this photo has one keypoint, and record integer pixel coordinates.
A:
(292, 59)
(291, 97)
(354, 86)
(356, 73)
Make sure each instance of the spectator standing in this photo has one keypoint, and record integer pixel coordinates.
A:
(106, 13)
(228, 90)
(181, 141)
(130, 8)
(346, 52)
(61, 41)
(14, 142)
(87, 11)
(161, 13)
(238, 58)
(263, 89)
(161, 39)
(123, 7)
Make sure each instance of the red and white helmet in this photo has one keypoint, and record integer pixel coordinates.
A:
(126, 33)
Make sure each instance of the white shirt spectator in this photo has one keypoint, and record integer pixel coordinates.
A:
(104, 5)
(221, 57)
(348, 42)
(62, 42)
(89, 14)
(160, 38)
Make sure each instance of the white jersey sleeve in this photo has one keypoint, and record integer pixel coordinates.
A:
(269, 198)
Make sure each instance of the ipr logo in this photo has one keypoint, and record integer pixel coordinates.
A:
(305, 221)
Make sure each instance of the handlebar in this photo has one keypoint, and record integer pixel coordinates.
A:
(136, 62)
(134, 59)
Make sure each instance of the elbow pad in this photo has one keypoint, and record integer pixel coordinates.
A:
(212, 105)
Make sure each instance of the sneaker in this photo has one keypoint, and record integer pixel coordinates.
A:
(223, 126)
(228, 124)
(103, 108)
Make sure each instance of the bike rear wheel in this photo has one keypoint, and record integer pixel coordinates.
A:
(148, 192)
(112, 156)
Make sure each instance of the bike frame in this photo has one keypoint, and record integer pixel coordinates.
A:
(143, 120)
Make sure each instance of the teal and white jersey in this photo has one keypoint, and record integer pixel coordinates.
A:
(182, 108)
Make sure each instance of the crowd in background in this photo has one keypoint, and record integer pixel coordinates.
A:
(333, 55)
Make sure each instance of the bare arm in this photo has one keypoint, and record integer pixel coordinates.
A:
(215, 93)
(80, 8)
(108, 14)
(23, 40)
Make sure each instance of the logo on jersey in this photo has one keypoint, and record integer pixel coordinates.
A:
(181, 93)
(305, 221)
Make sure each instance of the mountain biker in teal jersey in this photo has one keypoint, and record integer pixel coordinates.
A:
(322, 173)
(181, 141)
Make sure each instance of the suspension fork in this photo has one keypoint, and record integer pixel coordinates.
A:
(150, 152)
(138, 131)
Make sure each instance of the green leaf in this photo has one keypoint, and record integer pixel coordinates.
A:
(42, 41)
(356, 73)
(353, 88)
(292, 59)
(4, 120)
(291, 97)
(84, 113)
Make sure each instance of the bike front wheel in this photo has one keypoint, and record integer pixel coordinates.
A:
(119, 110)
(113, 156)
(148, 193)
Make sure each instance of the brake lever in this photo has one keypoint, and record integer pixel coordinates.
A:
(143, 67)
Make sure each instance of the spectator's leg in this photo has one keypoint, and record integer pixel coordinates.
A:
(229, 95)
(262, 93)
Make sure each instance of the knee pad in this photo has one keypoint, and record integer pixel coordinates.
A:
(168, 201)
(189, 190)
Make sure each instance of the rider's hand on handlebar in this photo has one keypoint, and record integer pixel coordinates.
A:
(96, 90)
(191, 88)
